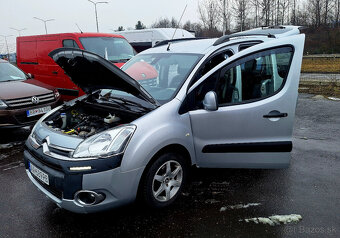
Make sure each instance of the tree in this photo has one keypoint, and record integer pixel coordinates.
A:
(120, 28)
(224, 11)
(266, 10)
(208, 14)
(161, 23)
(140, 26)
(240, 10)
(196, 27)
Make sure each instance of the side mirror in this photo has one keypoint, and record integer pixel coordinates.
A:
(210, 101)
(30, 76)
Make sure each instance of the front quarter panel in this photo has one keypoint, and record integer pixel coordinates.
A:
(156, 130)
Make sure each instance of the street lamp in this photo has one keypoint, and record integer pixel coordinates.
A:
(44, 22)
(6, 44)
(18, 30)
(95, 10)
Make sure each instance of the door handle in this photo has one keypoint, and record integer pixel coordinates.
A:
(275, 114)
(54, 72)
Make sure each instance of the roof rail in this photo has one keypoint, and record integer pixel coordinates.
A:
(165, 42)
(226, 38)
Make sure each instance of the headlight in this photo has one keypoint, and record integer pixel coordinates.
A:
(2, 104)
(44, 117)
(105, 143)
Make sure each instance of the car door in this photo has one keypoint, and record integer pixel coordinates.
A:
(256, 93)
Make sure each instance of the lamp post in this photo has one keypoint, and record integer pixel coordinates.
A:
(95, 10)
(18, 30)
(6, 44)
(44, 22)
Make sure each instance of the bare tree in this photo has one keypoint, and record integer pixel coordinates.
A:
(284, 8)
(315, 7)
(266, 10)
(224, 10)
(293, 18)
(256, 6)
(326, 11)
(240, 9)
(208, 14)
(161, 23)
(337, 13)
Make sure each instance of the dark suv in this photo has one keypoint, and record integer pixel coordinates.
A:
(22, 103)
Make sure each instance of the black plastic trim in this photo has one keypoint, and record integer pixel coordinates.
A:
(164, 42)
(68, 92)
(28, 62)
(278, 146)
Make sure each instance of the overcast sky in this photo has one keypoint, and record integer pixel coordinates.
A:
(19, 14)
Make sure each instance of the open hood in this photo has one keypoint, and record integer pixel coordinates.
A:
(90, 72)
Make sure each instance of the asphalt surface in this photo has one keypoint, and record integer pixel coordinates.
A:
(309, 187)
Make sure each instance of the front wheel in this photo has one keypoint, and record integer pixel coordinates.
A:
(165, 180)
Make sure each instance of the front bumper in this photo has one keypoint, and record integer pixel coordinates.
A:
(12, 118)
(105, 177)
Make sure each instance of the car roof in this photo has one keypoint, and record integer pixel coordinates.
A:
(3, 61)
(203, 46)
(72, 34)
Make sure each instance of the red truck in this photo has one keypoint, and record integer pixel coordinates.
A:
(32, 56)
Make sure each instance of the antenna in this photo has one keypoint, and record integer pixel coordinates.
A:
(79, 29)
(177, 26)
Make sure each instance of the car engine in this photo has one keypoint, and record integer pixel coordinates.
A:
(86, 119)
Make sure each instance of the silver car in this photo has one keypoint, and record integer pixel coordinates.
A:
(218, 103)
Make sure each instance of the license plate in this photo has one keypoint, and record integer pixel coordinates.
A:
(42, 176)
(38, 111)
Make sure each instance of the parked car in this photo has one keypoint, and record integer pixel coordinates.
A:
(21, 103)
(219, 103)
(32, 56)
(147, 38)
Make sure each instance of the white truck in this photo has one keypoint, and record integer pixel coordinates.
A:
(147, 38)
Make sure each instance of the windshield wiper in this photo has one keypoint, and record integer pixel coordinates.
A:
(116, 103)
(120, 60)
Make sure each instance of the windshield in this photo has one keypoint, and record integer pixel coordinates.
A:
(110, 48)
(9, 72)
(161, 74)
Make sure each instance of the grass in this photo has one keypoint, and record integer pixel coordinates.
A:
(321, 65)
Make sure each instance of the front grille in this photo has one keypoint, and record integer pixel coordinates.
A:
(148, 82)
(27, 101)
(44, 162)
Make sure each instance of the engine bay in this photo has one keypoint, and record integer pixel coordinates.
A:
(86, 119)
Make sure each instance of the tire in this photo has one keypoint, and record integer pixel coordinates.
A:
(164, 189)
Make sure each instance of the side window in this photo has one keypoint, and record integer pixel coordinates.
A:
(254, 77)
(70, 44)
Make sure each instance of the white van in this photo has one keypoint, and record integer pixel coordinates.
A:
(147, 38)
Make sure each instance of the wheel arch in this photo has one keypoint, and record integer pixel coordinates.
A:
(171, 148)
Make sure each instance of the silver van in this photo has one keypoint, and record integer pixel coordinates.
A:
(218, 103)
